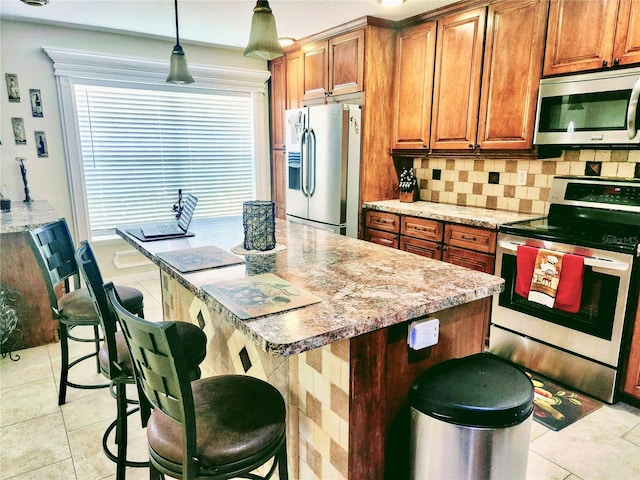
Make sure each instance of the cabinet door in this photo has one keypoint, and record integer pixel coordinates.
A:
(279, 183)
(421, 247)
(346, 63)
(481, 262)
(511, 74)
(415, 58)
(278, 99)
(479, 239)
(294, 80)
(632, 373)
(315, 61)
(421, 228)
(389, 222)
(627, 41)
(580, 35)
(386, 239)
(457, 80)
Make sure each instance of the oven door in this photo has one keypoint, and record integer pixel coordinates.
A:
(595, 332)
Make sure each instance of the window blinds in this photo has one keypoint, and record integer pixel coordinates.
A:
(140, 146)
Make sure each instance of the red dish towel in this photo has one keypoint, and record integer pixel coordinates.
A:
(569, 293)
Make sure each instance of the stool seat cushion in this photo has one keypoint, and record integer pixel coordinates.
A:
(193, 339)
(78, 305)
(237, 417)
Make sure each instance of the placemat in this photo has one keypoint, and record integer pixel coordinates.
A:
(199, 258)
(557, 407)
(259, 295)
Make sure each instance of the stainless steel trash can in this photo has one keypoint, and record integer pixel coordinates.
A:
(471, 419)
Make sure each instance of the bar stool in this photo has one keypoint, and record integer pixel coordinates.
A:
(115, 361)
(54, 251)
(218, 427)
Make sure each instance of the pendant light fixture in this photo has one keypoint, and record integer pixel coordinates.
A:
(178, 68)
(36, 3)
(263, 40)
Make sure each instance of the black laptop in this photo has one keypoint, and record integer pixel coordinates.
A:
(173, 229)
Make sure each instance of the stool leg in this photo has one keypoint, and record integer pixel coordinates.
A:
(64, 368)
(283, 470)
(96, 336)
(121, 429)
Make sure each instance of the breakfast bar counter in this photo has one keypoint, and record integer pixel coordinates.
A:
(342, 363)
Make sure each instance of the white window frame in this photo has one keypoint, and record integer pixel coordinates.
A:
(74, 66)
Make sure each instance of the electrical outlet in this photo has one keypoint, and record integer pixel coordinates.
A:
(522, 177)
(423, 333)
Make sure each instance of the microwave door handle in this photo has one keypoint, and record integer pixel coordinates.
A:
(312, 162)
(588, 261)
(632, 111)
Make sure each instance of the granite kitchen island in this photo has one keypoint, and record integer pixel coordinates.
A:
(342, 364)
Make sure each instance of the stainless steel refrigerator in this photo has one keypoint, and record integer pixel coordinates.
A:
(323, 166)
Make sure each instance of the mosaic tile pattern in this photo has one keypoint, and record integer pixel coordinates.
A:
(465, 181)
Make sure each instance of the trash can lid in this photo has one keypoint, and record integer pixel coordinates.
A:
(480, 390)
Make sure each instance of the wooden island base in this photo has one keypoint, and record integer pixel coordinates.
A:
(347, 401)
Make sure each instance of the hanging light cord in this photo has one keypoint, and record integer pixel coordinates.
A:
(177, 35)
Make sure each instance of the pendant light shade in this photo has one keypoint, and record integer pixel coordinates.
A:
(178, 68)
(263, 40)
(36, 3)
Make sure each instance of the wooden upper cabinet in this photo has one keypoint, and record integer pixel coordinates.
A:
(333, 67)
(626, 49)
(278, 99)
(591, 35)
(294, 79)
(456, 89)
(346, 63)
(415, 59)
(512, 69)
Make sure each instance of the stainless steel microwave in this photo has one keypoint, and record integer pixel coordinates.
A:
(590, 109)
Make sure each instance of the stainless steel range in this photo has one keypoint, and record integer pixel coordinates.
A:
(593, 222)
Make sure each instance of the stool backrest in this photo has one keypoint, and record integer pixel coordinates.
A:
(52, 245)
(161, 369)
(90, 272)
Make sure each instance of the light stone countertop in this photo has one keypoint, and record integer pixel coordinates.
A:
(473, 216)
(25, 216)
(363, 286)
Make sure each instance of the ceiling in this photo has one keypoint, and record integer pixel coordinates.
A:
(217, 22)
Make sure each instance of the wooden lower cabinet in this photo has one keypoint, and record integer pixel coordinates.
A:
(421, 247)
(469, 247)
(470, 259)
(632, 375)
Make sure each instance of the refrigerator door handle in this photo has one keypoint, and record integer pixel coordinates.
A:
(312, 163)
(304, 148)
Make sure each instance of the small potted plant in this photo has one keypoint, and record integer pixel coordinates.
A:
(408, 185)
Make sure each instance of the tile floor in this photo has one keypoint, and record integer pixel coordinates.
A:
(43, 441)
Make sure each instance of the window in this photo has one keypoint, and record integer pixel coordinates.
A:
(131, 140)
(140, 146)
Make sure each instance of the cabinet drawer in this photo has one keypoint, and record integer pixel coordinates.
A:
(466, 258)
(421, 247)
(421, 228)
(387, 239)
(472, 238)
(389, 222)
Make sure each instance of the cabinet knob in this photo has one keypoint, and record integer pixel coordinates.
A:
(616, 61)
(477, 145)
(604, 63)
(471, 146)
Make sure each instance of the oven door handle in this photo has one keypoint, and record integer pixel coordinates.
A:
(588, 261)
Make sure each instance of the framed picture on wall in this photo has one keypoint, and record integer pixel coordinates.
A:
(36, 102)
(18, 130)
(13, 89)
(41, 144)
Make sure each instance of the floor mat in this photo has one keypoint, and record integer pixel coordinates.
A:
(556, 406)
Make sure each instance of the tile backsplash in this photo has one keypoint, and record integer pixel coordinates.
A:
(465, 181)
